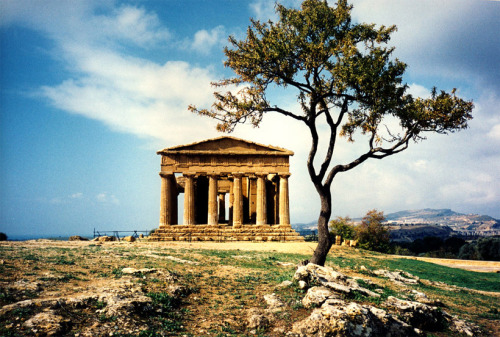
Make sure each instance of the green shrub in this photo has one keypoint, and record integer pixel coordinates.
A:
(372, 234)
(344, 227)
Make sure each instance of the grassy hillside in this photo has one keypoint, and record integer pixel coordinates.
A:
(223, 284)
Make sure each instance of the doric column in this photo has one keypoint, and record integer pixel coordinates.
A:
(167, 203)
(231, 203)
(212, 200)
(238, 201)
(222, 207)
(284, 200)
(261, 199)
(189, 199)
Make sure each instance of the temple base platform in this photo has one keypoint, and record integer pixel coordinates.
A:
(224, 232)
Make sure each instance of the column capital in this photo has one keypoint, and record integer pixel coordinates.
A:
(189, 174)
(284, 174)
(166, 174)
(262, 174)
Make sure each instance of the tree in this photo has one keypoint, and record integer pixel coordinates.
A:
(3, 237)
(344, 227)
(372, 234)
(344, 77)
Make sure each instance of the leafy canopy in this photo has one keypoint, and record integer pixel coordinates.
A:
(343, 227)
(372, 234)
(334, 64)
(343, 75)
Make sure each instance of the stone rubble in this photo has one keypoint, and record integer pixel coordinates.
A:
(274, 303)
(339, 318)
(120, 305)
(335, 316)
(312, 274)
(397, 276)
(47, 323)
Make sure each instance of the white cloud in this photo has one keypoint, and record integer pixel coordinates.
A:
(264, 10)
(146, 98)
(129, 94)
(107, 198)
(132, 24)
(494, 132)
(204, 40)
(417, 90)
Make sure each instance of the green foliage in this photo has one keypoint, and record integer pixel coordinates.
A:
(483, 249)
(344, 75)
(372, 234)
(3, 236)
(344, 227)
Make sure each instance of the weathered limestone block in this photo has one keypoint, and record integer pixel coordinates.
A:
(106, 238)
(77, 238)
(336, 318)
(134, 271)
(274, 303)
(419, 315)
(129, 239)
(397, 276)
(47, 324)
(257, 320)
(316, 296)
(313, 274)
(338, 240)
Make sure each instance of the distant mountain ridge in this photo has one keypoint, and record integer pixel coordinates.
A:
(445, 217)
(411, 224)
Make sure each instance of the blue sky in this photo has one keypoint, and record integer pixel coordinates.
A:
(90, 90)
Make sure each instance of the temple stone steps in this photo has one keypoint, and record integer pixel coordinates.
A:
(225, 233)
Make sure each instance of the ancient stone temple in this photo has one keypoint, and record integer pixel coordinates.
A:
(233, 190)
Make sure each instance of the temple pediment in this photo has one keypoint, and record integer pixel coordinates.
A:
(226, 145)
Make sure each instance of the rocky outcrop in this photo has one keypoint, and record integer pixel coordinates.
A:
(312, 274)
(46, 323)
(397, 276)
(336, 316)
(129, 238)
(77, 238)
(119, 306)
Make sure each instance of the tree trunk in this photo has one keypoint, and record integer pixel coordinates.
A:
(324, 239)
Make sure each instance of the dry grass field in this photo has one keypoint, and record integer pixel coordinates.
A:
(220, 283)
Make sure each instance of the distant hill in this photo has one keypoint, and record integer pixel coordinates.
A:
(445, 217)
(410, 225)
(414, 224)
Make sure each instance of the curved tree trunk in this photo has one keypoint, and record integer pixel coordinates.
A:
(324, 239)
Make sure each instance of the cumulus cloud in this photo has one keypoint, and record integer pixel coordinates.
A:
(205, 40)
(442, 38)
(129, 94)
(439, 40)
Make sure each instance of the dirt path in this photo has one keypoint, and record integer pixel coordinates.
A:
(479, 266)
(305, 248)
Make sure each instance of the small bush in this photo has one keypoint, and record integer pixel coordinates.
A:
(344, 227)
(3, 237)
(372, 234)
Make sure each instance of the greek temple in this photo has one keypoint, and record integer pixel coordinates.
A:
(233, 189)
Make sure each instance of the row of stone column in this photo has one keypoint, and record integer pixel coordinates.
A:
(168, 208)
